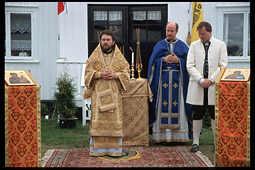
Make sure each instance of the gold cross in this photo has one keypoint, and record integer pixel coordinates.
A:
(175, 103)
(165, 103)
(165, 85)
(175, 85)
(168, 67)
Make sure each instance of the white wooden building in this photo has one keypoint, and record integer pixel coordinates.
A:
(40, 40)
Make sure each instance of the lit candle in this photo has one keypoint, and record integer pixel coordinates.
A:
(132, 57)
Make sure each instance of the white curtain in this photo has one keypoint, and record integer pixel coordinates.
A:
(154, 15)
(20, 23)
(115, 15)
(100, 15)
(139, 15)
(21, 45)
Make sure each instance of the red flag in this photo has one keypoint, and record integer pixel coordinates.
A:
(61, 7)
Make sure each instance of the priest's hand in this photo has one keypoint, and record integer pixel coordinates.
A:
(107, 75)
(172, 58)
(111, 76)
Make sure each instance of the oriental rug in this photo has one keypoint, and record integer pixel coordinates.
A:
(153, 156)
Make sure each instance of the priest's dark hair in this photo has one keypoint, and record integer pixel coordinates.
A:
(108, 32)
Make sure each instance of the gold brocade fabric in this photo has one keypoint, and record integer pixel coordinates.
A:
(232, 123)
(106, 120)
(23, 125)
(106, 142)
(136, 112)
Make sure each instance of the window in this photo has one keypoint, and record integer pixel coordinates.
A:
(235, 31)
(19, 32)
(234, 34)
(107, 20)
(149, 23)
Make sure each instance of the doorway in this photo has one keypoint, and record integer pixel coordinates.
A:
(123, 21)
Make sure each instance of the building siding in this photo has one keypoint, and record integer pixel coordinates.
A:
(47, 43)
(70, 52)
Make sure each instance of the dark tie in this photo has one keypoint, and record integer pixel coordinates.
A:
(205, 70)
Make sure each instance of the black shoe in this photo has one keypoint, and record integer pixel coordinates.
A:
(194, 148)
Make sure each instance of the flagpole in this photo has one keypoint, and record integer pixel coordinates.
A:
(66, 7)
(189, 7)
(188, 39)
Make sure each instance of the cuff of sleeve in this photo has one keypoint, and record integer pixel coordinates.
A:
(116, 76)
(201, 80)
(97, 75)
(163, 59)
(211, 80)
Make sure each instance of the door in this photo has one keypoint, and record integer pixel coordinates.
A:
(107, 17)
(123, 21)
(151, 20)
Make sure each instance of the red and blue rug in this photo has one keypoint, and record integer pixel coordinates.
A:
(153, 156)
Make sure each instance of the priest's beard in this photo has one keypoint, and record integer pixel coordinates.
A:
(106, 48)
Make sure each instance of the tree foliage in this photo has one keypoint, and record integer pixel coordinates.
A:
(64, 96)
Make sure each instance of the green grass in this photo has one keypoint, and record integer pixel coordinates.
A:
(206, 138)
(53, 135)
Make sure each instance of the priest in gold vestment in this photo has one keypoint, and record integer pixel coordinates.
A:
(107, 74)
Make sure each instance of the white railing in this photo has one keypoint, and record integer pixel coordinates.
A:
(86, 113)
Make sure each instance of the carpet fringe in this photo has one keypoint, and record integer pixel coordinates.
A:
(47, 156)
(205, 158)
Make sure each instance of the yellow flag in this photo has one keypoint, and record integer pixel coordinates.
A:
(197, 13)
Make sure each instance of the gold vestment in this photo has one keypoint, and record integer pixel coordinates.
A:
(106, 125)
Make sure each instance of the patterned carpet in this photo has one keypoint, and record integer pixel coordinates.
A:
(153, 156)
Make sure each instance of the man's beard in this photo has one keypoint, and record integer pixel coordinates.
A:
(106, 48)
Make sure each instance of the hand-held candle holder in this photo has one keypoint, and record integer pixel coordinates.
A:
(132, 65)
(139, 65)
